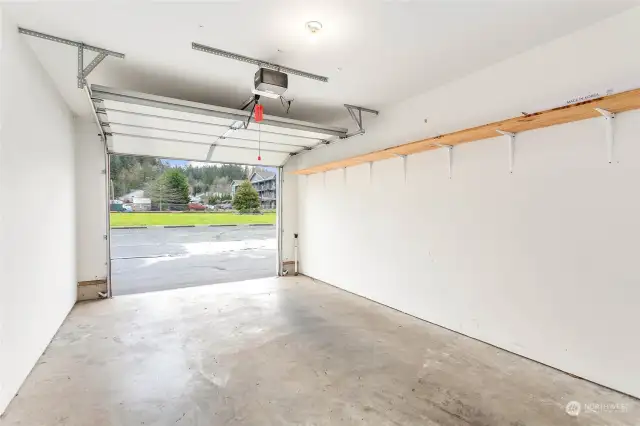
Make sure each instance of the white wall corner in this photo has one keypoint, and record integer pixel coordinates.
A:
(38, 274)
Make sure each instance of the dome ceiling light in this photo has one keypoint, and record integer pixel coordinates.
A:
(314, 27)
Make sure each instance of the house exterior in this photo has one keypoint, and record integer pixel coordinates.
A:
(234, 187)
(141, 204)
(135, 199)
(265, 183)
(128, 198)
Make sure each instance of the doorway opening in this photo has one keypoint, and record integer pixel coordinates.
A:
(177, 223)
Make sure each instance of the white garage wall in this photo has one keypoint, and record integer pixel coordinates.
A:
(37, 211)
(595, 59)
(289, 213)
(91, 203)
(541, 262)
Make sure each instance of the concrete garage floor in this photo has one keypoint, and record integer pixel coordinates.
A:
(160, 258)
(287, 351)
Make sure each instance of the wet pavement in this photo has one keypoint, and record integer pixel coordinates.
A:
(159, 258)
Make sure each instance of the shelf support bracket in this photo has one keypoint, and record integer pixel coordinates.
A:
(356, 114)
(511, 139)
(608, 118)
(404, 165)
(449, 154)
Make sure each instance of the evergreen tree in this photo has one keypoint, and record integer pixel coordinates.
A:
(130, 173)
(246, 199)
(170, 189)
(177, 186)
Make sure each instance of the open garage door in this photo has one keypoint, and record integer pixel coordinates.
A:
(153, 126)
(142, 124)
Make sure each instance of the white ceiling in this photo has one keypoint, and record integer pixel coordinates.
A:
(386, 50)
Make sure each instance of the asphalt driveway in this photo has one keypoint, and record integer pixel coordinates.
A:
(157, 258)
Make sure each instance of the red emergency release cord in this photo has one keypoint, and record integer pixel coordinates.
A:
(258, 117)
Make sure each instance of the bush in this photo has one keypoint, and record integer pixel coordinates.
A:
(246, 199)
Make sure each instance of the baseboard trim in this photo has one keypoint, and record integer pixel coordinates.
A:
(92, 282)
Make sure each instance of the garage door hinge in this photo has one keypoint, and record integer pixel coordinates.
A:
(105, 237)
(103, 171)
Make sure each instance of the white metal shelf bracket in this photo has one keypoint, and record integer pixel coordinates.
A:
(83, 71)
(370, 172)
(511, 139)
(608, 118)
(344, 175)
(404, 165)
(449, 156)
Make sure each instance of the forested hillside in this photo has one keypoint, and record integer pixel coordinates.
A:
(129, 173)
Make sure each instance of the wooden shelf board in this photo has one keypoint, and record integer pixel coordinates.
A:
(619, 102)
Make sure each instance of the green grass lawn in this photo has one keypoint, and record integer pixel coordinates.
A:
(150, 219)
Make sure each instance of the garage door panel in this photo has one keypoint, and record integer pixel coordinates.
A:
(166, 113)
(238, 137)
(143, 124)
(157, 148)
(163, 123)
(225, 154)
(273, 137)
(134, 109)
(194, 151)
(288, 131)
(176, 137)
(150, 122)
(165, 134)
(255, 145)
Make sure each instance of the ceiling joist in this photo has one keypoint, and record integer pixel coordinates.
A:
(593, 108)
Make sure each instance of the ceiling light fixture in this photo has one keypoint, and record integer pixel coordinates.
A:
(314, 28)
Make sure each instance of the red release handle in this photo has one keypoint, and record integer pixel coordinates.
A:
(259, 113)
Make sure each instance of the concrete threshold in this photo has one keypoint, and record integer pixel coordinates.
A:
(129, 227)
(192, 226)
